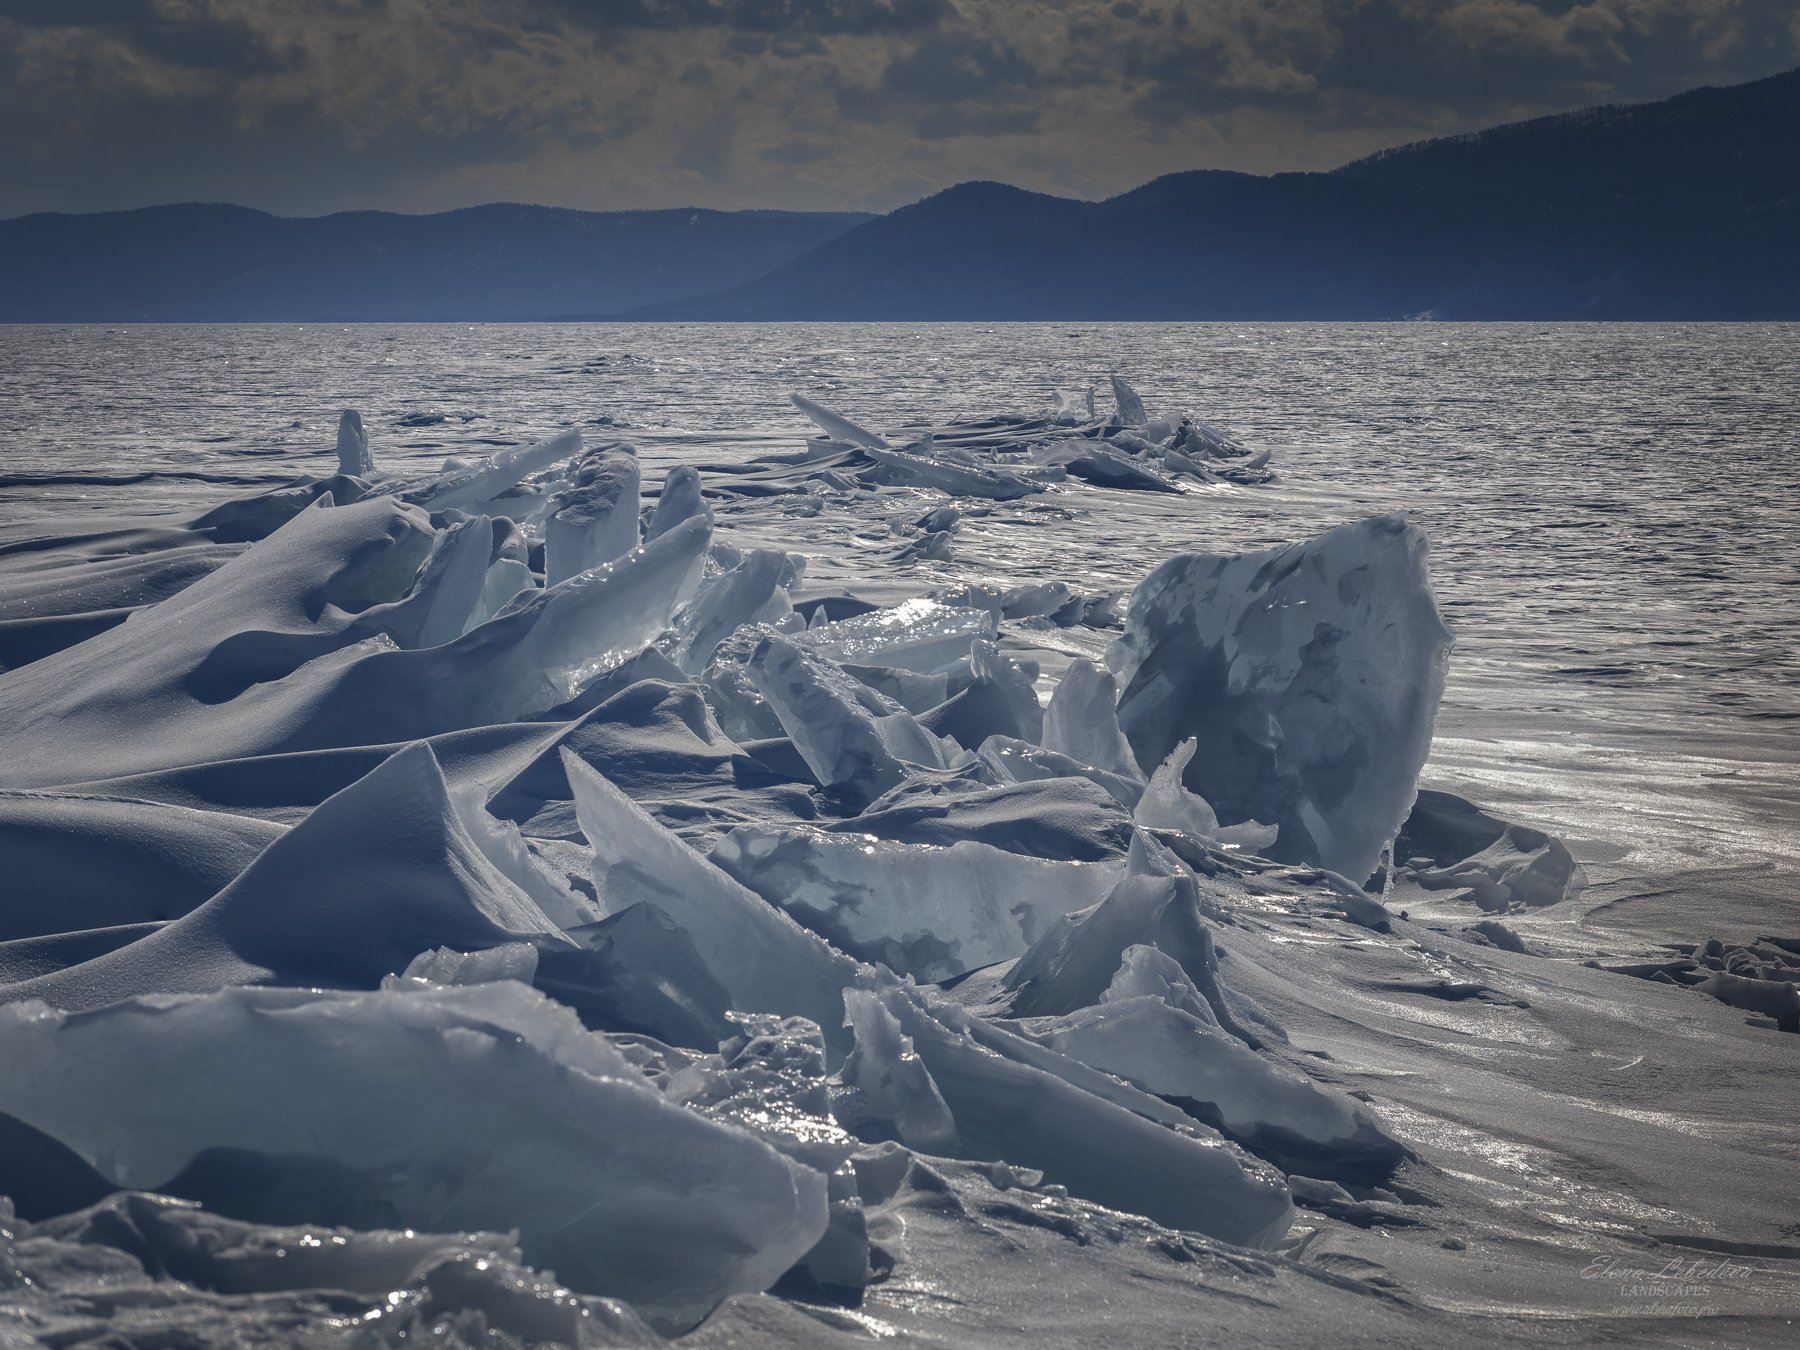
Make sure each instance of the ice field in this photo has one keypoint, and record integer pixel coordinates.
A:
(807, 835)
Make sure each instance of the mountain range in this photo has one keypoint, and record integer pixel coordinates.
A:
(1688, 208)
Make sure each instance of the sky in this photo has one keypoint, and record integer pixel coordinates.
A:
(305, 107)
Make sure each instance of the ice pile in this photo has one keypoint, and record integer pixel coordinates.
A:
(1006, 457)
(487, 853)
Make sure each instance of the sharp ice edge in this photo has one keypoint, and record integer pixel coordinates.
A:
(412, 610)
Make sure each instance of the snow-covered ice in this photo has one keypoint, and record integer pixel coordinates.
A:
(569, 898)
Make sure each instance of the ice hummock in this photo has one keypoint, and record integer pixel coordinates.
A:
(588, 888)
(1309, 677)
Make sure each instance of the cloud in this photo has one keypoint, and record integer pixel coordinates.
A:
(313, 105)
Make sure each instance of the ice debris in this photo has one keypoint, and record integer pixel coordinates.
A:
(599, 869)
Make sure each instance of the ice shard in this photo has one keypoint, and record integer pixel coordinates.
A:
(353, 454)
(679, 500)
(1082, 721)
(764, 960)
(595, 518)
(465, 1107)
(1310, 677)
(923, 910)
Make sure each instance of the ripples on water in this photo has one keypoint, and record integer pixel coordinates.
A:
(1613, 509)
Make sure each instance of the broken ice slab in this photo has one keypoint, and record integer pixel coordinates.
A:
(838, 427)
(1082, 721)
(855, 741)
(764, 960)
(923, 910)
(1309, 675)
(919, 635)
(464, 1107)
(593, 518)
(1106, 1141)
(480, 486)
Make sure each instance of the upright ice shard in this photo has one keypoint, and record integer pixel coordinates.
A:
(1309, 676)
(353, 454)
(680, 499)
(764, 960)
(853, 739)
(1082, 721)
(595, 518)
(754, 591)
(1130, 408)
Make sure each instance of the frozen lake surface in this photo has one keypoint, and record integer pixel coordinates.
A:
(1613, 509)
(1496, 1135)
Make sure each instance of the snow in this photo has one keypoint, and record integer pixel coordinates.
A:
(454, 902)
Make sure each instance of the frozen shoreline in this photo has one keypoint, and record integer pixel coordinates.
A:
(1561, 1115)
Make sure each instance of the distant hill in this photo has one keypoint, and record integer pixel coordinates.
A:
(227, 263)
(1683, 209)
(1696, 154)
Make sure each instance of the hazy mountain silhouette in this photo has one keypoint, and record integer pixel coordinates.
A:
(227, 263)
(1687, 208)
(1684, 209)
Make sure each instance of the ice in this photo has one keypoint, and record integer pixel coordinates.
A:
(548, 644)
(379, 872)
(151, 692)
(1037, 1110)
(768, 1078)
(836, 427)
(958, 479)
(480, 486)
(1071, 406)
(462, 1107)
(1130, 408)
(999, 701)
(1063, 818)
(1082, 721)
(595, 518)
(1270, 1109)
(764, 960)
(509, 961)
(1108, 468)
(754, 591)
(1310, 677)
(893, 1083)
(1009, 760)
(1168, 805)
(918, 635)
(453, 582)
(353, 454)
(852, 738)
(1452, 846)
(1073, 964)
(922, 910)
(679, 500)
(637, 972)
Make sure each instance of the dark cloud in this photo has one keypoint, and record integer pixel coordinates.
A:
(313, 105)
(763, 16)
